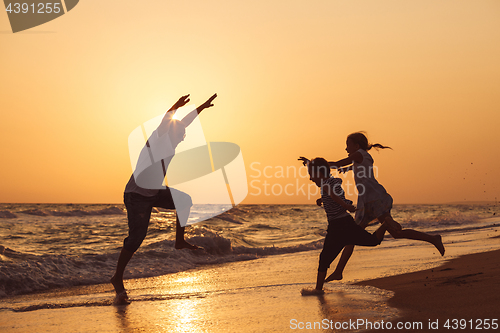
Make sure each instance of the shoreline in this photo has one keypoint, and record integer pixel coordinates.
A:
(465, 288)
(264, 295)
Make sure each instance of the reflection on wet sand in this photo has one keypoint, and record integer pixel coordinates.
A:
(347, 304)
(221, 299)
(174, 303)
(254, 296)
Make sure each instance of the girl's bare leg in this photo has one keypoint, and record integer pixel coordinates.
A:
(413, 234)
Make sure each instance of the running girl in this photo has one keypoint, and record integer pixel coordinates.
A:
(373, 200)
(342, 230)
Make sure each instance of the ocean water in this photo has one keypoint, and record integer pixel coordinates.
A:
(46, 246)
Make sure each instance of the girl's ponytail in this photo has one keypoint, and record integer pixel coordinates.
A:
(378, 146)
(361, 139)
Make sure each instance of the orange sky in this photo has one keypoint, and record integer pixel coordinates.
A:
(293, 78)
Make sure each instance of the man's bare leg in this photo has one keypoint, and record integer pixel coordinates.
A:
(180, 242)
(117, 279)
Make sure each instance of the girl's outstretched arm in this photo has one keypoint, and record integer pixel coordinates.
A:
(354, 157)
(344, 170)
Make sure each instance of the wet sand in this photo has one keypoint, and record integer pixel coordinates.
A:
(466, 288)
(263, 295)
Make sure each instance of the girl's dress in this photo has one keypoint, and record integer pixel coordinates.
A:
(373, 200)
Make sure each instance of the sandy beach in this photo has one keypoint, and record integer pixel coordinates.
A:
(413, 283)
(260, 295)
(464, 293)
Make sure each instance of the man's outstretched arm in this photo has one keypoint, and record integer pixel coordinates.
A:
(207, 104)
(188, 119)
(180, 103)
(163, 128)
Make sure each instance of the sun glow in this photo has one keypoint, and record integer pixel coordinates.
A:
(363, 65)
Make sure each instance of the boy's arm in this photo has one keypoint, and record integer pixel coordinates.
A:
(341, 202)
(304, 160)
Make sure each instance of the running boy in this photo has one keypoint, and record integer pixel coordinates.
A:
(342, 230)
(373, 200)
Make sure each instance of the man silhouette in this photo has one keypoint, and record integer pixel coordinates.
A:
(145, 189)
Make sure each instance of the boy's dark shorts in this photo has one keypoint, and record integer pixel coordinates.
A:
(341, 232)
(139, 212)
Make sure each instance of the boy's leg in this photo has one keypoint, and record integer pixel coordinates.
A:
(331, 249)
(339, 270)
(320, 280)
(380, 232)
(332, 246)
(415, 235)
(324, 261)
(344, 258)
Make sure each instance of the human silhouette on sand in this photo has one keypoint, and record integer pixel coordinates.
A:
(145, 189)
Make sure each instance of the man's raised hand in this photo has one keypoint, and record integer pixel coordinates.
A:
(180, 103)
(207, 104)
